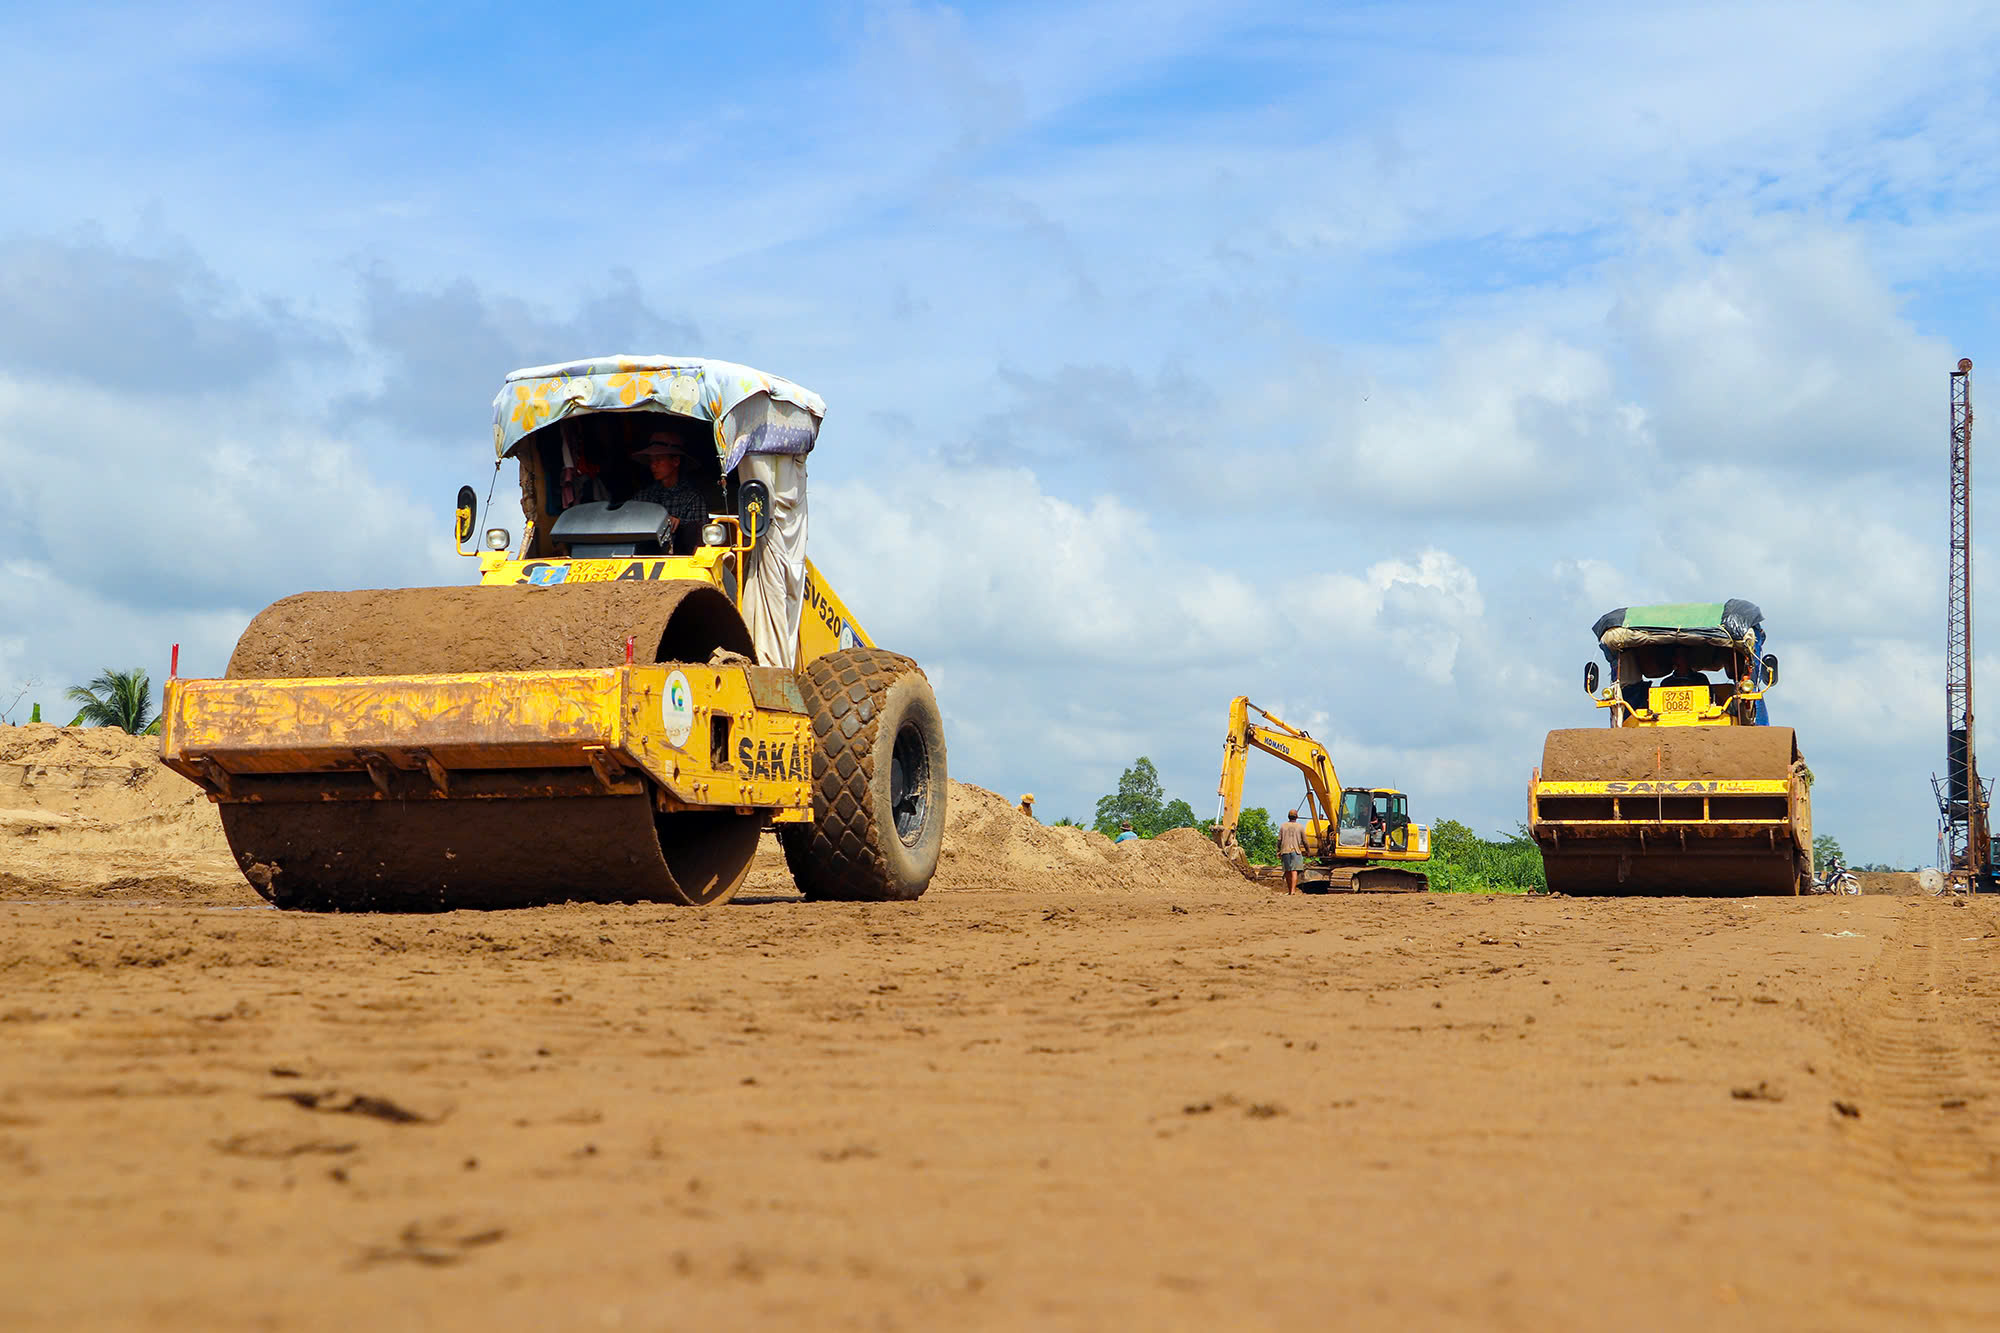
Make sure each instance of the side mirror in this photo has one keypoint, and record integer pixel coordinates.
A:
(753, 511)
(1770, 669)
(1590, 677)
(468, 506)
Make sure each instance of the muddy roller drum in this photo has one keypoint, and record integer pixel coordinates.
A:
(1717, 811)
(504, 836)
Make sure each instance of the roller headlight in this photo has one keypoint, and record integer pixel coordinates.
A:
(715, 535)
(497, 539)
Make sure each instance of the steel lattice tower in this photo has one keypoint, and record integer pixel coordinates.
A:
(1964, 842)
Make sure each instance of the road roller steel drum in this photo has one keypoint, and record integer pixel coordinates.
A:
(512, 759)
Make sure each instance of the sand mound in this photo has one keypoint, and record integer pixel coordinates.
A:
(99, 778)
(90, 811)
(1888, 881)
(990, 844)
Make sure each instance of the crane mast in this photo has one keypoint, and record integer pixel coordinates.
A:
(1964, 841)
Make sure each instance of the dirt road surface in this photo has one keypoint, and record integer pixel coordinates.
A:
(1142, 1102)
(992, 1109)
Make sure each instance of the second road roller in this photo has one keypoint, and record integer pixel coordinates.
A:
(649, 678)
(1689, 790)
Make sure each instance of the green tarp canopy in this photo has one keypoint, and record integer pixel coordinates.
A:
(1734, 622)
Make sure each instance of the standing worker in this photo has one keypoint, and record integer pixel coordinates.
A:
(1292, 849)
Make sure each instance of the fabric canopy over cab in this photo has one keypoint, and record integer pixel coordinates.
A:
(748, 410)
(1734, 623)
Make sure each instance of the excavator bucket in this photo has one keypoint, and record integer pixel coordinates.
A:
(1718, 810)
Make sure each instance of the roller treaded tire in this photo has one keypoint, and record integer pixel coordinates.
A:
(878, 780)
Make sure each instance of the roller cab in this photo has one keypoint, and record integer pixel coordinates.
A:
(1690, 790)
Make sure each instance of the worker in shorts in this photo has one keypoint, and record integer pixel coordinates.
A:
(1292, 849)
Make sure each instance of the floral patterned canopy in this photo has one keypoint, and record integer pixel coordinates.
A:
(749, 410)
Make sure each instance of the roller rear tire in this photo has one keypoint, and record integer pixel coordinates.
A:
(878, 780)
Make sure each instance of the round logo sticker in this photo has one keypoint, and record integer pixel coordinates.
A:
(677, 710)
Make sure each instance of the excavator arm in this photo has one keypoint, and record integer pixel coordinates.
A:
(1287, 743)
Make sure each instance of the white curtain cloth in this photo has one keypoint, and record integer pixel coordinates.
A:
(762, 424)
(774, 588)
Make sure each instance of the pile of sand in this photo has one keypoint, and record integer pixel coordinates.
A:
(990, 844)
(100, 779)
(91, 810)
(1888, 881)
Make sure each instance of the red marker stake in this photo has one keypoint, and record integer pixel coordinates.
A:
(628, 651)
(174, 663)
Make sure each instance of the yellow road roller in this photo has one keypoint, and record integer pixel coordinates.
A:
(1689, 790)
(649, 678)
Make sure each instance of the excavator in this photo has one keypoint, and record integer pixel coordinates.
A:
(1349, 831)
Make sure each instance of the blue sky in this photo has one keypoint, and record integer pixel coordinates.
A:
(1353, 358)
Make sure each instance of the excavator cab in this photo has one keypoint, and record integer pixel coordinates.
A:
(1392, 819)
(1374, 817)
(1357, 812)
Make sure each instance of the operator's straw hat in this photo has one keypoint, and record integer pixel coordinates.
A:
(661, 444)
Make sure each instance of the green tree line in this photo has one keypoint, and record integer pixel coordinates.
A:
(1142, 799)
(1463, 862)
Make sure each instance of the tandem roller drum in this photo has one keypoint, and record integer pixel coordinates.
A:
(433, 631)
(492, 847)
(1669, 811)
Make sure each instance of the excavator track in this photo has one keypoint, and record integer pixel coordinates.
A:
(1365, 879)
(1718, 811)
(503, 837)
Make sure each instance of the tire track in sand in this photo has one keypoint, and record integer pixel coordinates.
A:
(1920, 1122)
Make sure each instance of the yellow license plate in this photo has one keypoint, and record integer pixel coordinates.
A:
(594, 571)
(1680, 699)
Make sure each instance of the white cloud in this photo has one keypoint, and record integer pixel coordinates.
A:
(77, 632)
(1516, 421)
(1785, 348)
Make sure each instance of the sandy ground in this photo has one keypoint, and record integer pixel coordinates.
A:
(1122, 1098)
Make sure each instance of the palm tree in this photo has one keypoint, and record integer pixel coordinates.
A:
(122, 699)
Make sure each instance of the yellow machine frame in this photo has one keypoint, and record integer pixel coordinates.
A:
(708, 737)
(734, 736)
(1693, 705)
